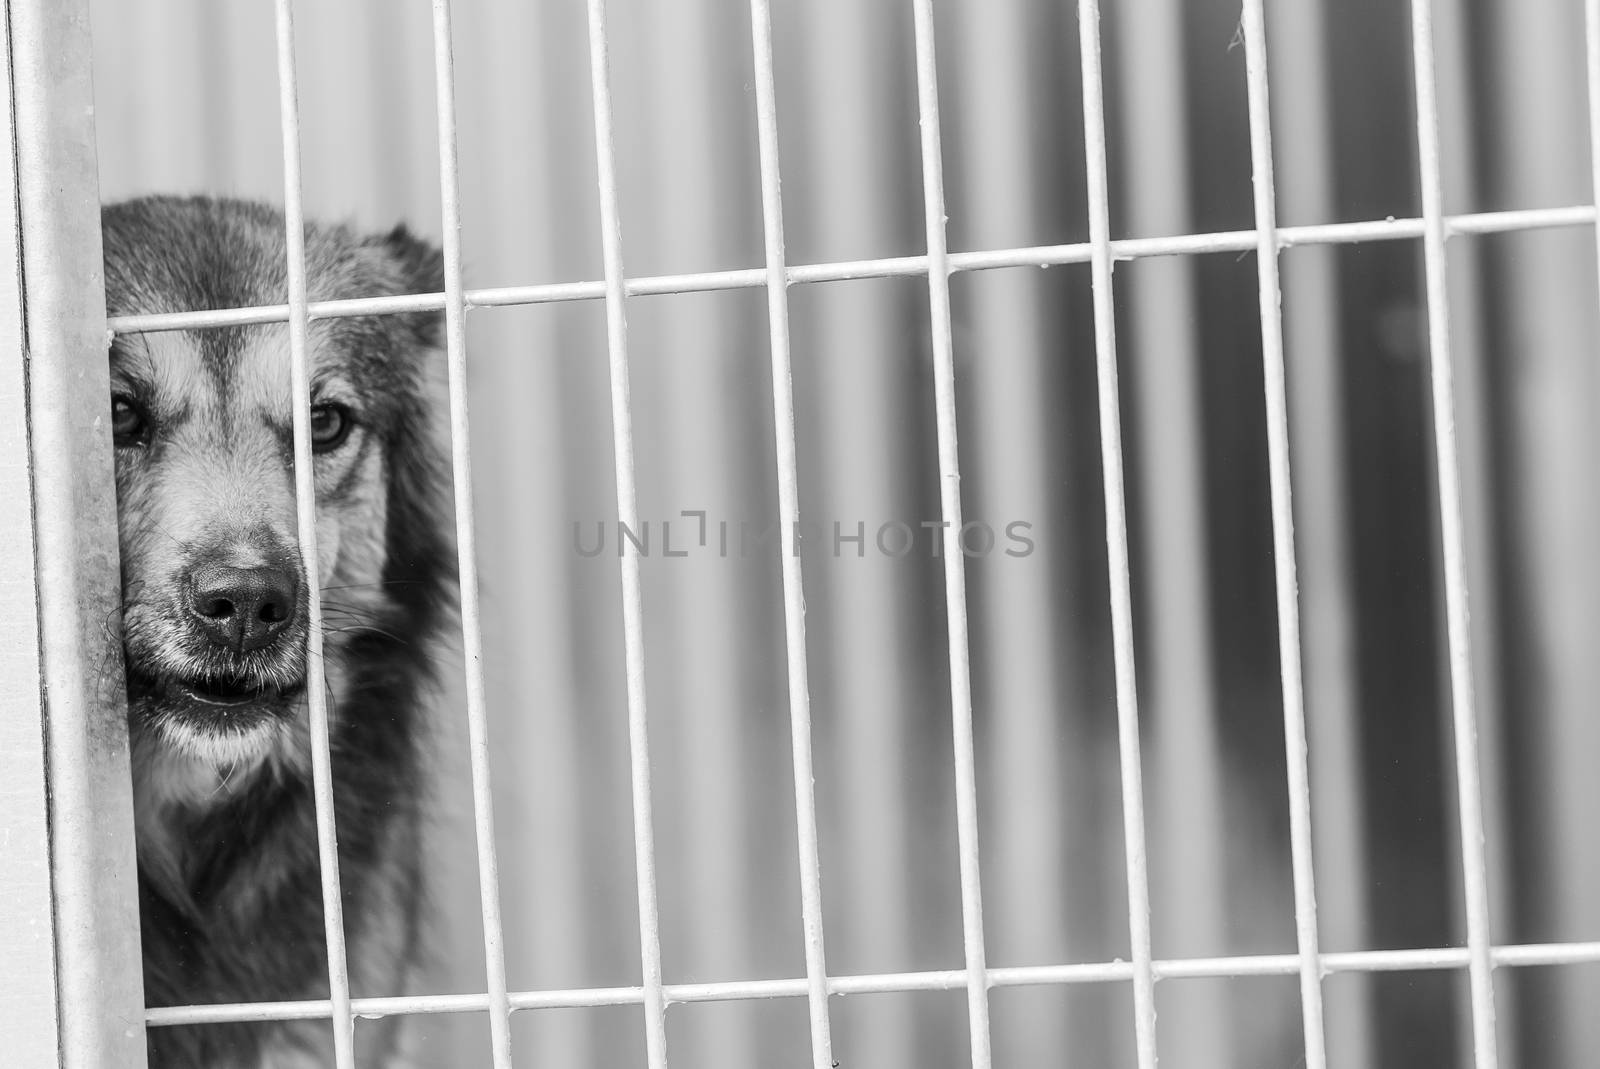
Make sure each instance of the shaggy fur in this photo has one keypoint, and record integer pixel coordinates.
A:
(231, 902)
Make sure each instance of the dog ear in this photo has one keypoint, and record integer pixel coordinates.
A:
(420, 551)
(421, 265)
(421, 269)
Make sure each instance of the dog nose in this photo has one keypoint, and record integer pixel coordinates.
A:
(243, 608)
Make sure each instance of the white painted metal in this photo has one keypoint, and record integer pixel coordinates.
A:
(305, 488)
(467, 542)
(1303, 145)
(889, 267)
(1469, 788)
(844, 179)
(794, 608)
(1532, 102)
(27, 939)
(1429, 959)
(653, 994)
(955, 580)
(1119, 567)
(73, 591)
(1283, 548)
(1030, 668)
(1188, 826)
(628, 515)
(1479, 437)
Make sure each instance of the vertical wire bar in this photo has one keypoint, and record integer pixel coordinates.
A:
(467, 541)
(628, 515)
(1191, 900)
(1042, 781)
(1543, 289)
(1469, 789)
(1307, 162)
(305, 487)
(1294, 712)
(852, 176)
(520, 410)
(955, 581)
(794, 610)
(1459, 134)
(1591, 36)
(726, 896)
(1105, 332)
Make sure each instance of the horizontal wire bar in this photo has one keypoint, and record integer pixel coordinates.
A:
(1354, 961)
(1479, 223)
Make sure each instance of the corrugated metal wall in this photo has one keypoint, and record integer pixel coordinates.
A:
(187, 102)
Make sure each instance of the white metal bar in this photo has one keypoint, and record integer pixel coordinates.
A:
(1591, 36)
(522, 66)
(888, 267)
(1191, 901)
(73, 588)
(1474, 859)
(1118, 568)
(1043, 780)
(794, 608)
(27, 939)
(1530, 99)
(28, 999)
(847, 180)
(1283, 552)
(1428, 959)
(467, 540)
(628, 515)
(955, 582)
(1307, 166)
(1479, 409)
(306, 516)
(726, 891)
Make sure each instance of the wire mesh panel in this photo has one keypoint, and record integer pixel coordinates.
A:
(818, 542)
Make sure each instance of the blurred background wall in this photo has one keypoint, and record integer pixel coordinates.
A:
(187, 103)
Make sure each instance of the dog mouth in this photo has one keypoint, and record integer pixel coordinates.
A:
(213, 696)
(227, 721)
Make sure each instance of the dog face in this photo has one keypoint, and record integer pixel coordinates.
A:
(215, 612)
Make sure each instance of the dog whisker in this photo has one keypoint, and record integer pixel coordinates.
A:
(227, 778)
(365, 629)
(180, 543)
(379, 584)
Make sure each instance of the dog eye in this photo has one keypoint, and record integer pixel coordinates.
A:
(330, 426)
(129, 426)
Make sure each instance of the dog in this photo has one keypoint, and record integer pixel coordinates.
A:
(215, 617)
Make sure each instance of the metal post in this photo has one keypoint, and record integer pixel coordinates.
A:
(79, 703)
(27, 949)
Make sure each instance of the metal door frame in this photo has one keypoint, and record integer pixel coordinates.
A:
(71, 988)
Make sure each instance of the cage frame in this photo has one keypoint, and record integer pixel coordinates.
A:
(75, 764)
(73, 979)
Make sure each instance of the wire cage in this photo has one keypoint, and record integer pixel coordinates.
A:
(1142, 717)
